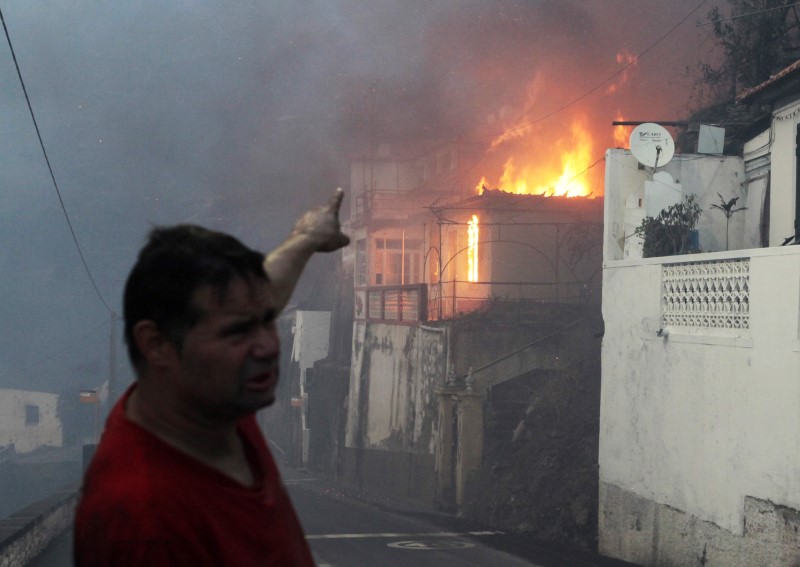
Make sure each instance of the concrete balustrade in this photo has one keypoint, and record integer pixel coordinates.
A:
(26, 533)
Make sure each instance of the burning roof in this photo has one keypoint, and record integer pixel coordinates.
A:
(498, 200)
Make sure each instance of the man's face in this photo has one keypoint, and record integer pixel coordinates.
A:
(228, 365)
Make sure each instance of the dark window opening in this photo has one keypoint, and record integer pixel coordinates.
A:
(31, 415)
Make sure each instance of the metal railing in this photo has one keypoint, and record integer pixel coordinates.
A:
(395, 304)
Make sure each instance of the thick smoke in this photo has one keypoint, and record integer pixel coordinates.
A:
(239, 115)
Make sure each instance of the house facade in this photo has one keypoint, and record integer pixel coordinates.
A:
(29, 420)
(699, 433)
(429, 253)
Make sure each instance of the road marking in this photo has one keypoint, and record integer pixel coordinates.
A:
(427, 545)
(395, 535)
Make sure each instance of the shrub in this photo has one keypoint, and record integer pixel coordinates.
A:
(668, 233)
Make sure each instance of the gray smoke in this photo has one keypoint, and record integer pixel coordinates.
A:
(239, 115)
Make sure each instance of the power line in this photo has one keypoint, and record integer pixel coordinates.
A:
(633, 61)
(747, 15)
(49, 168)
(574, 177)
(613, 76)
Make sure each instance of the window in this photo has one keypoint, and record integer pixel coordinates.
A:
(31, 414)
(397, 261)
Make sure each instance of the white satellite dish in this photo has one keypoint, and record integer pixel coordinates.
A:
(652, 145)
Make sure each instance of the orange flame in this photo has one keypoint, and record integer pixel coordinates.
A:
(482, 184)
(622, 134)
(555, 172)
(472, 252)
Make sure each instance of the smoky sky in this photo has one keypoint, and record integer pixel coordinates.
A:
(240, 115)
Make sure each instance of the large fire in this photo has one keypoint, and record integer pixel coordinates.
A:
(557, 171)
(472, 252)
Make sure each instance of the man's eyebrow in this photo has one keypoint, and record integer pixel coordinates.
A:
(245, 322)
(240, 323)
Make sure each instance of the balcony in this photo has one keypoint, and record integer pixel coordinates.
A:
(392, 304)
(383, 205)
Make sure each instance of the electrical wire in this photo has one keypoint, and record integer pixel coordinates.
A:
(606, 80)
(49, 167)
(632, 62)
(747, 15)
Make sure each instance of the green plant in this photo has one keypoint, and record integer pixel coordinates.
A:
(668, 233)
(727, 208)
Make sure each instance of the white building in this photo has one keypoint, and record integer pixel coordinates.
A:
(29, 420)
(700, 405)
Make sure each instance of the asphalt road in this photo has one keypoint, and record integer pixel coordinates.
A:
(345, 532)
(349, 530)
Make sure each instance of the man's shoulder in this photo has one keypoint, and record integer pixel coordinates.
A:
(130, 468)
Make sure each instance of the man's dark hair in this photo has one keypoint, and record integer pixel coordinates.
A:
(173, 264)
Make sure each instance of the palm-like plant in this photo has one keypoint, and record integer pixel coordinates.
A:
(728, 208)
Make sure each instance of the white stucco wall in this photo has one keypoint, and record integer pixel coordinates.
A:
(702, 175)
(26, 438)
(311, 334)
(395, 371)
(782, 182)
(698, 422)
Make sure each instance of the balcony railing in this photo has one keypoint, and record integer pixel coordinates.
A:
(392, 304)
(384, 205)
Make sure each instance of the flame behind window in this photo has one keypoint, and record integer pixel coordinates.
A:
(472, 251)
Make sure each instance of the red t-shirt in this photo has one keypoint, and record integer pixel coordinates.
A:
(145, 503)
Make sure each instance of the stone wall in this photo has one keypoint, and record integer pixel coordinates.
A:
(657, 535)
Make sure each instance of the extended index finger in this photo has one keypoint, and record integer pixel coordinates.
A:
(336, 201)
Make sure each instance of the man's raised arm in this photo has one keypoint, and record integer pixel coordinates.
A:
(317, 230)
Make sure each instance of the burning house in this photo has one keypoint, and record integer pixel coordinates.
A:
(429, 256)
(500, 246)
(457, 251)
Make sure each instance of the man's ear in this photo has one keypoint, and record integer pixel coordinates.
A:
(157, 350)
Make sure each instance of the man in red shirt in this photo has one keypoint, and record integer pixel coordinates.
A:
(182, 475)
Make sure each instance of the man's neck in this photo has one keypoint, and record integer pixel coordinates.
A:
(214, 443)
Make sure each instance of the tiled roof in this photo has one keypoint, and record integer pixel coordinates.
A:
(773, 80)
